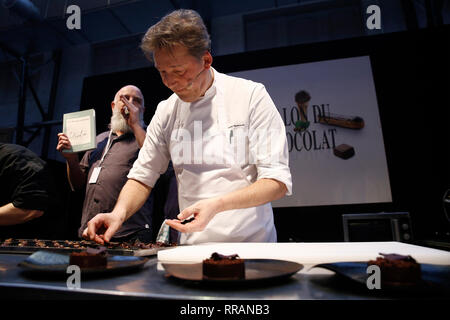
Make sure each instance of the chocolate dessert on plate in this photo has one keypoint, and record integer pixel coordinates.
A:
(220, 266)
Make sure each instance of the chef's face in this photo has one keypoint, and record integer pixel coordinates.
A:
(188, 76)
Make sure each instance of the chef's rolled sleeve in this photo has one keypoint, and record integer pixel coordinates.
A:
(147, 177)
(279, 174)
(268, 142)
(154, 157)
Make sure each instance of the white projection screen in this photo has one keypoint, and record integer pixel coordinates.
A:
(342, 92)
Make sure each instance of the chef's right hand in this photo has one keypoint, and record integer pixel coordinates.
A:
(64, 143)
(102, 227)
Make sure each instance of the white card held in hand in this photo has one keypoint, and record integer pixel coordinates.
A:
(94, 175)
(80, 129)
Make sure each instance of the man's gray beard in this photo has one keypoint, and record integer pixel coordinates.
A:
(119, 123)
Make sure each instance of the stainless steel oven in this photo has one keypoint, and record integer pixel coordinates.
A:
(382, 226)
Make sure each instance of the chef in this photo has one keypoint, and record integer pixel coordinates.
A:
(224, 135)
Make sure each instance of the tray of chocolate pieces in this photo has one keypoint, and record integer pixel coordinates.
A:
(137, 248)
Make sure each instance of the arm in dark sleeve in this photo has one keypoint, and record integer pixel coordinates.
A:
(31, 191)
(171, 208)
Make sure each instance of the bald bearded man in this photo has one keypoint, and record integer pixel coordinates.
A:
(116, 151)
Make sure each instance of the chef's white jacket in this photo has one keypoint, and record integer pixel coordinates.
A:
(225, 141)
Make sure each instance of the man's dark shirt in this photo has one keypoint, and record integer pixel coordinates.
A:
(23, 178)
(102, 196)
(166, 201)
(27, 183)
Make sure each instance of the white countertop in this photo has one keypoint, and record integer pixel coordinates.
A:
(305, 253)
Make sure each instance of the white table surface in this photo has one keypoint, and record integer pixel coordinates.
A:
(306, 253)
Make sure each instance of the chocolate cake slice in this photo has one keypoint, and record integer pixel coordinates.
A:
(222, 267)
(344, 151)
(396, 268)
(91, 258)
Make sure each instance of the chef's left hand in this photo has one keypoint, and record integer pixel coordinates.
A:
(133, 112)
(202, 211)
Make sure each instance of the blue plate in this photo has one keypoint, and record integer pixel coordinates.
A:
(51, 262)
(434, 277)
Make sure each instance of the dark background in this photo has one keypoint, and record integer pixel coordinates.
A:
(411, 72)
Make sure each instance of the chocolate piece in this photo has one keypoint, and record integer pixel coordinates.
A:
(395, 256)
(70, 245)
(187, 220)
(217, 256)
(341, 120)
(344, 151)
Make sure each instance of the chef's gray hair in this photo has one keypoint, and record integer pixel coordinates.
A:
(180, 27)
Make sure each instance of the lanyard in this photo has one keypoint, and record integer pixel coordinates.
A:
(108, 146)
